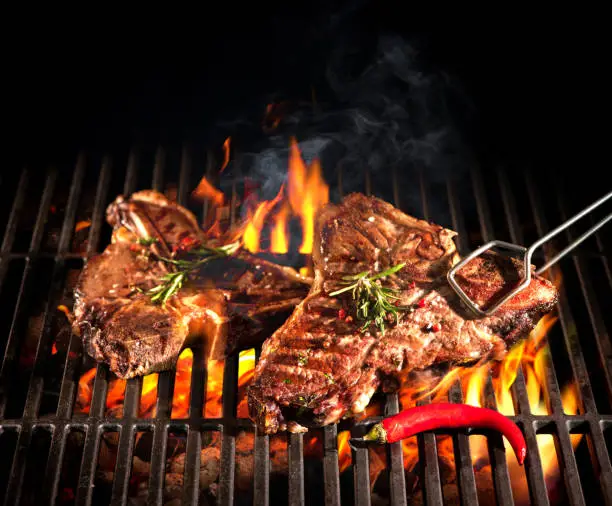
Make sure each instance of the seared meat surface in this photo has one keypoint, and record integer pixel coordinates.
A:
(229, 300)
(320, 365)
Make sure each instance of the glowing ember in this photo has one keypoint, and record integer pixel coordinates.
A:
(226, 154)
(207, 192)
(82, 225)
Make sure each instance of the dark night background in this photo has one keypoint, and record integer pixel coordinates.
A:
(536, 83)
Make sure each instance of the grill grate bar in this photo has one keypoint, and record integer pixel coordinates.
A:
(565, 315)
(466, 481)
(125, 451)
(97, 217)
(158, 169)
(165, 390)
(331, 470)
(428, 448)
(228, 441)
(191, 487)
(397, 475)
(602, 255)
(396, 458)
(296, 469)
(54, 463)
(158, 462)
(7, 243)
(497, 453)
(261, 483)
(533, 465)
(11, 224)
(602, 339)
(605, 351)
(36, 383)
(261, 479)
(197, 386)
(13, 493)
(131, 174)
(360, 456)
(428, 458)
(361, 476)
(461, 443)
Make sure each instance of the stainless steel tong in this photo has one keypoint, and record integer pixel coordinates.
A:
(527, 254)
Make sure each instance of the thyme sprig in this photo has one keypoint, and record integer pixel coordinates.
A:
(374, 302)
(172, 282)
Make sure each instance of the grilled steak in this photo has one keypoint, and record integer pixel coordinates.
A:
(321, 365)
(229, 300)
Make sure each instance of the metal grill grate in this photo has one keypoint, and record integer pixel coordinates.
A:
(20, 268)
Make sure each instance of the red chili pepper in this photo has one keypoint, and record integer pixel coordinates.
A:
(412, 284)
(447, 416)
(341, 314)
(422, 303)
(436, 327)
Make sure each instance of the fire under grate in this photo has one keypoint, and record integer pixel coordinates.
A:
(37, 407)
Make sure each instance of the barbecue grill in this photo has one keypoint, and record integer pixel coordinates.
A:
(40, 258)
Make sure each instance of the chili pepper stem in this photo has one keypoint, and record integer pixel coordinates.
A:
(377, 433)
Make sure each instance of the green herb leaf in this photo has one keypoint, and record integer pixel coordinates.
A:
(329, 377)
(302, 359)
(171, 283)
(373, 302)
(147, 241)
(287, 381)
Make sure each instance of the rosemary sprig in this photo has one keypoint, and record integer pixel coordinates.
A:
(171, 283)
(373, 301)
(147, 241)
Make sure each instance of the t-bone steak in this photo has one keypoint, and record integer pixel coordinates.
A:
(321, 366)
(240, 299)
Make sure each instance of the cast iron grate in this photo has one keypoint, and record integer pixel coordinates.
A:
(34, 268)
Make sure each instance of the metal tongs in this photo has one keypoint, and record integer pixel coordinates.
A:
(527, 254)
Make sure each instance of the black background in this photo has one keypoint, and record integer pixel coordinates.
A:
(538, 83)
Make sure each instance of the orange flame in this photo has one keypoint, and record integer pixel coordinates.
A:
(82, 225)
(206, 191)
(256, 222)
(278, 238)
(226, 154)
(307, 193)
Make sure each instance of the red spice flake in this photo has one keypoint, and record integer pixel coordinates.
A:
(67, 495)
(53, 209)
(436, 327)
(135, 247)
(348, 319)
(341, 314)
(422, 303)
(72, 355)
(186, 244)
(397, 303)
(412, 285)
(53, 349)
